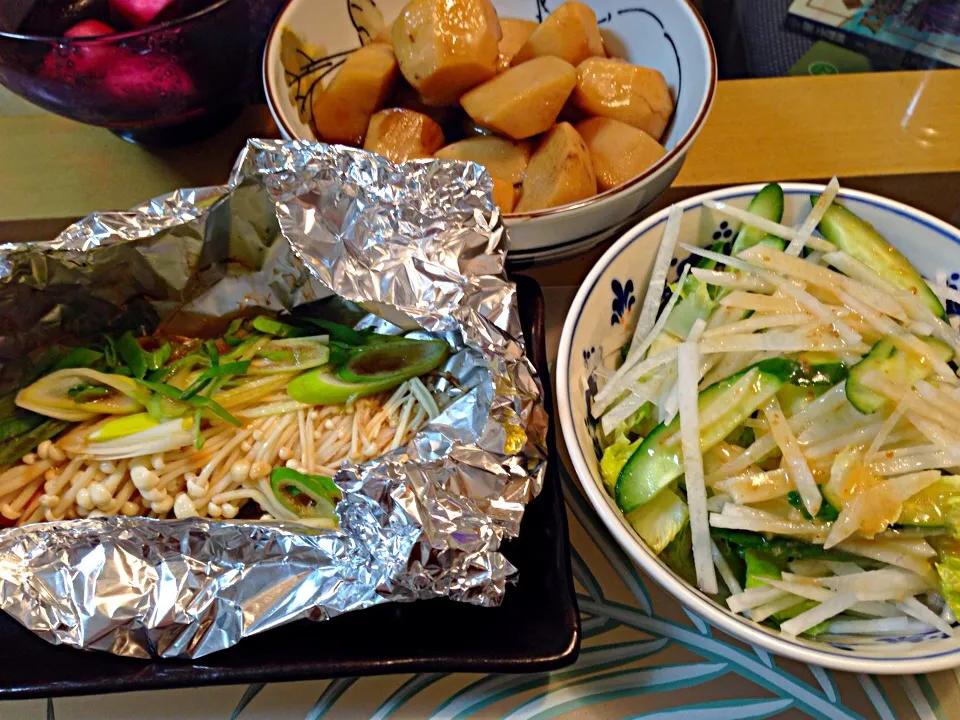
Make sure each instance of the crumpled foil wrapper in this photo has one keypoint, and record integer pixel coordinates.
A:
(420, 245)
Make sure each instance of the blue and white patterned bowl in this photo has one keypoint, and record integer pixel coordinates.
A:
(311, 37)
(601, 320)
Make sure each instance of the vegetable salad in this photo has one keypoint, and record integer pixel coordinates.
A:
(782, 431)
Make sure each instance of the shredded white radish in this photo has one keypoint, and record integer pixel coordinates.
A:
(600, 405)
(810, 223)
(756, 302)
(755, 485)
(688, 363)
(816, 615)
(843, 568)
(736, 281)
(884, 432)
(780, 262)
(761, 223)
(626, 375)
(658, 279)
(762, 612)
(762, 321)
(855, 269)
(780, 342)
(796, 464)
(878, 626)
(914, 608)
(890, 554)
(723, 567)
(752, 597)
(817, 308)
(715, 503)
(779, 526)
(885, 584)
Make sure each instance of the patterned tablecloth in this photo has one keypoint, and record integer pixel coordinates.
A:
(643, 656)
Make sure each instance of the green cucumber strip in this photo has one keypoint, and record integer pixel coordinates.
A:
(860, 240)
(768, 203)
(657, 462)
(902, 368)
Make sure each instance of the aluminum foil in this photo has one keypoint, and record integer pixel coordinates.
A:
(421, 246)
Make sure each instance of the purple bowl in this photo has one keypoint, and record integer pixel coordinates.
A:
(168, 83)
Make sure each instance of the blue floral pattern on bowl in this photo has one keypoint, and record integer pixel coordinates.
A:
(623, 301)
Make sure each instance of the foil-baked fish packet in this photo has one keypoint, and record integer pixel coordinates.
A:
(420, 247)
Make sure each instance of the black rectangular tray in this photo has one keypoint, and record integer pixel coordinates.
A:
(537, 627)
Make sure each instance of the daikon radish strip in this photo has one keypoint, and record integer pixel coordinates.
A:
(885, 584)
(843, 568)
(810, 223)
(688, 363)
(879, 626)
(817, 308)
(888, 495)
(627, 374)
(640, 394)
(778, 526)
(729, 364)
(914, 608)
(914, 545)
(658, 279)
(943, 440)
(816, 615)
(827, 403)
(885, 429)
(755, 486)
(830, 447)
(796, 464)
(902, 340)
(761, 223)
(716, 502)
(780, 342)
(723, 567)
(889, 554)
(762, 612)
(940, 399)
(600, 405)
(736, 281)
(845, 419)
(809, 568)
(915, 463)
(780, 262)
(759, 303)
(752, 597)
(759, 322)
(850, 266)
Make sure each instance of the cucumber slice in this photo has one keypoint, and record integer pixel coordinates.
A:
(903, 368)
(657, 462)
(859, 239)
(659, 521)
(935, 507)
(823, 369)
(768, 203)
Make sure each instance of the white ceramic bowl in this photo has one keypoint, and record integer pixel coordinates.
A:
(310, 38)
(601, 320)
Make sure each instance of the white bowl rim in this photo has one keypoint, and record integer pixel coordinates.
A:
(691, 597)
(680, 149)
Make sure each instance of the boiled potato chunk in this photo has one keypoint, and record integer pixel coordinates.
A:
(502, 158)
(383, 36)
(523, 101)
(633, 94)
(619, 151)
(559, 172)
(399, 134)
(516, 32)
(446, 47)
(342, 110)
(503, 194)
(570, 32)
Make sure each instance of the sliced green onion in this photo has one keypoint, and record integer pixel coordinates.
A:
(217, 371)
(307, 496)
(338, 332)
(197, 435)
(270, 326)
(14, 449)
(132, 354)
(211, 347)
(79, 358)
(110, 354)
(196, 401)
(230, 336)
(21, 422)
(156, 359)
